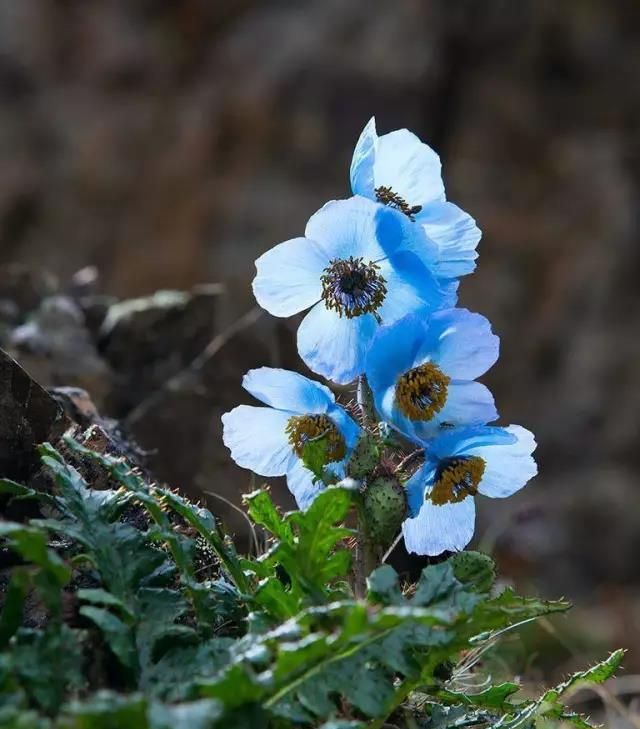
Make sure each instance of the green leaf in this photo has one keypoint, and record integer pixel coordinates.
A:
(46, 664)
(550, 705)
(117, 634)
(262, 511)
(31, 544)
(11, 616)
(495, 697)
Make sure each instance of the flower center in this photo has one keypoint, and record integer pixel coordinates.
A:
(387, 196)
(303, 429)
(422, 391)
(352, 287)
(456, 478)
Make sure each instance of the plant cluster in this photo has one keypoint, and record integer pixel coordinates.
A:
(127, 606)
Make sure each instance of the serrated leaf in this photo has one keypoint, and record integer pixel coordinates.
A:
(263, 512)
(550, 704)
(495, 697)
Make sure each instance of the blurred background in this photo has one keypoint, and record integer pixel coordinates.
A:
(162, 145)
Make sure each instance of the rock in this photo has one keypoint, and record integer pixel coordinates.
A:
(29, 416)
(149, 340)
(57, 348)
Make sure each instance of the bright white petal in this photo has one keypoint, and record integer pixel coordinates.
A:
(288, 390)
(288, 278)
(257, 440)
(508, 467)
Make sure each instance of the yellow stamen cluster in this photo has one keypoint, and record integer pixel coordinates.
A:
(457, 478)
(387, 196)
(422, 391)
(352, 287)
(301, 429)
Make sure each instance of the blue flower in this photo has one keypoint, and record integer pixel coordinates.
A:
(422, 370)
(269, 440)
(356, 269)
(459, 464)
(403, 172)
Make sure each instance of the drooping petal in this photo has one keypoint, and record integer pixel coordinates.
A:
(345, 228)
(333, 346)
(456, 235)
(288, 390)
(507, 467)
(462, 343)
(410, 167)
(288, 277)
(436, 529)
(301, 484)
(257, 440)
(362, 182)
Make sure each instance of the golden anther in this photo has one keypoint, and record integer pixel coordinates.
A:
(302, 429)
(422, 391)
(456, 478)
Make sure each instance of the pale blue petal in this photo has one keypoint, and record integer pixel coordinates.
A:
(442, 528)
(333, 346)
(395, 233)
(468, 403)
(257, 440)
(410, 167)
(508, 467)
(416, 487)
(460, 441)
(363, 160)
(393, 351)
(462, 343)
(344, 228)
(288, 278)
(288, 390)
(411, 287)
(301, 484)
(346, 425)
(456, 235)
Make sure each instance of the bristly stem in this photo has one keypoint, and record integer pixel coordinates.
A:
(365, 403)
(366, 556)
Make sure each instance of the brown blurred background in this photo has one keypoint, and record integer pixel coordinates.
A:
(168, 143)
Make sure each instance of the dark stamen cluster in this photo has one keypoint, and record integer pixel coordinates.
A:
(456, 478)
(352, 287)
(387, 196)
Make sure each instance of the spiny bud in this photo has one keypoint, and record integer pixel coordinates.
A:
(385, 508)
(364, 457)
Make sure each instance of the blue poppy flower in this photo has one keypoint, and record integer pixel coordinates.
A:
(459, 464)
(422, 370)
(356, 270)
(270, 440)
(401, 171)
